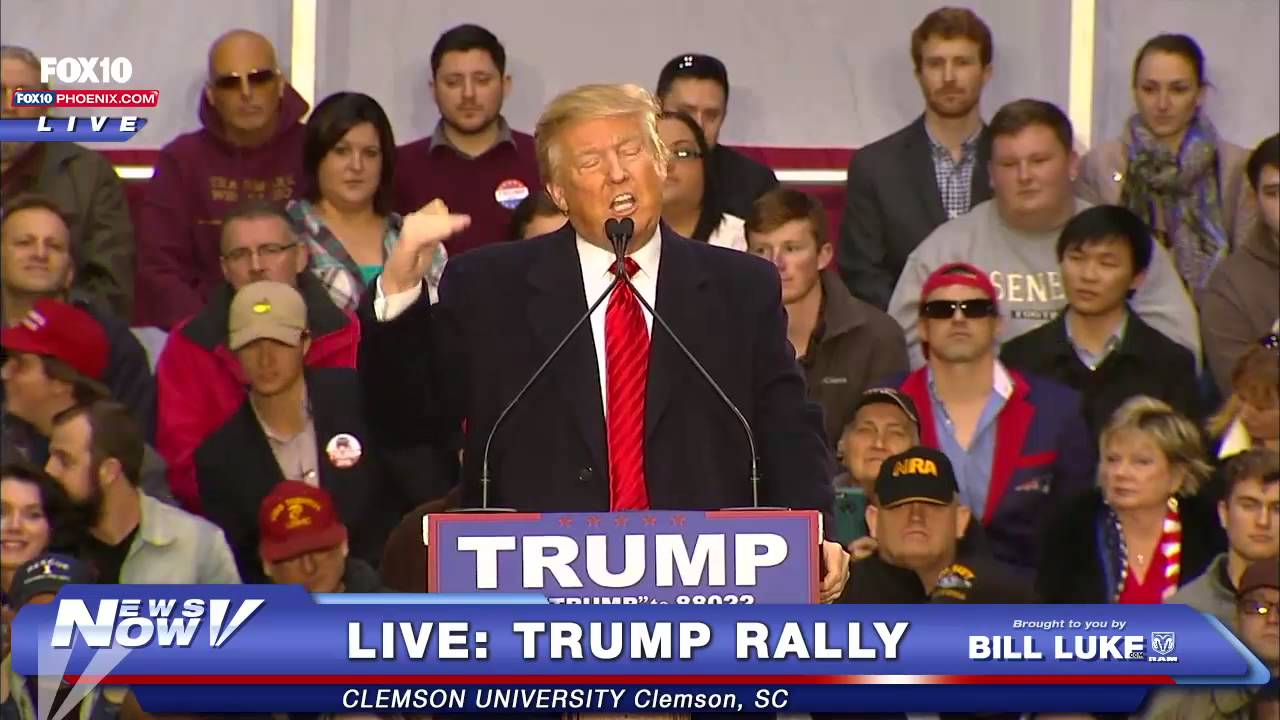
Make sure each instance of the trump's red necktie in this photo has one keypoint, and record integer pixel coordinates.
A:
(626, 362)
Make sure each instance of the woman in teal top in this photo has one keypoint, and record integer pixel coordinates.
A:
(345, 214)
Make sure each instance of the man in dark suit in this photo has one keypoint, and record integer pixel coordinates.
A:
(903, 186)
(699, 85)
(297, 423)
(618, 422)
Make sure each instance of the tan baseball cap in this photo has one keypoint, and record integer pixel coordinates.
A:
(269, 310)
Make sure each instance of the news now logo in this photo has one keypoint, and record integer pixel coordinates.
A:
(165, 623)
(121, 626)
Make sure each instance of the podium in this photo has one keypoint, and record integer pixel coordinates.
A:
(695, 557)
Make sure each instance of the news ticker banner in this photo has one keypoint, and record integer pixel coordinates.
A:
(729, 557)
(226, 649)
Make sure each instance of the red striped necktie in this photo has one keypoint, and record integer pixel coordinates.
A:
(626, 350)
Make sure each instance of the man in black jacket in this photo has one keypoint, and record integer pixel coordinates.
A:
(1097, 346)
(617, 422)
(699, 85)
(296, 424)
(903, 186)
(919, 523)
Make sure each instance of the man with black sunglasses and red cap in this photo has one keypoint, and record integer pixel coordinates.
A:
(1018, 443)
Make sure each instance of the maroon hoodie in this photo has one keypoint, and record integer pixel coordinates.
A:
(198, 178)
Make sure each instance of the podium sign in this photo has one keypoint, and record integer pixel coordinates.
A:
(723, 557)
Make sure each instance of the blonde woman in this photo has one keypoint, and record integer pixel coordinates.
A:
(1142, 532)
(1251, 416)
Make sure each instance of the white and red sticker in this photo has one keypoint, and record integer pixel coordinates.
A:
(509, 193)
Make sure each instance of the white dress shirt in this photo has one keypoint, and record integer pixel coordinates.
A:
(597, 268)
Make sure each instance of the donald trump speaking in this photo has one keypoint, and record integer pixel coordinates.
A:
(620, 419)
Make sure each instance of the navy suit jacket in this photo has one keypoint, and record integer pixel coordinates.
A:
(503, 308)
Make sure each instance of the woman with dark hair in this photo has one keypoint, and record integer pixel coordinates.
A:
(36, 517)
(689, 202)
(345, 216)
(1170, 166)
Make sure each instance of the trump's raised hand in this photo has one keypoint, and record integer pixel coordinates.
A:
(421, 233)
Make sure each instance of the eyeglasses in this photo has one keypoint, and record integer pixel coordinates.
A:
(685, 154)
(269, 251)
(254, 78)
(1259, 608)
(946, 309)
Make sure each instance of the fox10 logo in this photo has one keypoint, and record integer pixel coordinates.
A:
(27, 117)
(153, 622)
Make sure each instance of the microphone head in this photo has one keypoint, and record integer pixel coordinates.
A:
(612, 228)
(627, 227)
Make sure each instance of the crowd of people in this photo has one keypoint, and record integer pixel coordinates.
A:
(1014, 374)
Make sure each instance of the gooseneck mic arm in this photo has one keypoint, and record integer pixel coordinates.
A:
(619, 233)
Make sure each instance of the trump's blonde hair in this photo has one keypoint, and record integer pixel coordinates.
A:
(596, 102)
(1174, 435)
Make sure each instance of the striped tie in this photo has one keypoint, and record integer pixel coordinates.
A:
(626, 350)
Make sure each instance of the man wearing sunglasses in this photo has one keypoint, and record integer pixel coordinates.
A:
(249, 148)
(1018, 443)
(1257, 612)
(1250, 513)
(1014, 236)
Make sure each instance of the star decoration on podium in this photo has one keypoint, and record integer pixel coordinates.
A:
(620, 520)
(650, 520)
(593, 521)
(566, 521)
(677, 520)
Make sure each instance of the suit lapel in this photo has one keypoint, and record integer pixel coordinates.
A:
(323, 415)
(1011, 433)
(922, 175)
(682, 301)
(257, 453)
(557, 300)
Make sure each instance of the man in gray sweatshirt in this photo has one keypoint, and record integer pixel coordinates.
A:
(1250, 512)
(1014, 236)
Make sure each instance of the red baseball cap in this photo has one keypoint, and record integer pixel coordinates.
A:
(62, 331)
(959, 273)
(295, 519)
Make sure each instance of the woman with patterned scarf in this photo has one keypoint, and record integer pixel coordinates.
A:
(1170, 167)
(1143, 532)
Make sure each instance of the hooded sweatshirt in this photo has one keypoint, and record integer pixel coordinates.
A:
(1023, 266)
(198, 178)
(1241, 302)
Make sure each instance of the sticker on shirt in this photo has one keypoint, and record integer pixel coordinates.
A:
(509, 193)
(343, 450)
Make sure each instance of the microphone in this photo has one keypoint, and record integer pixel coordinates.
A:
(502, 416)
(619, 233)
